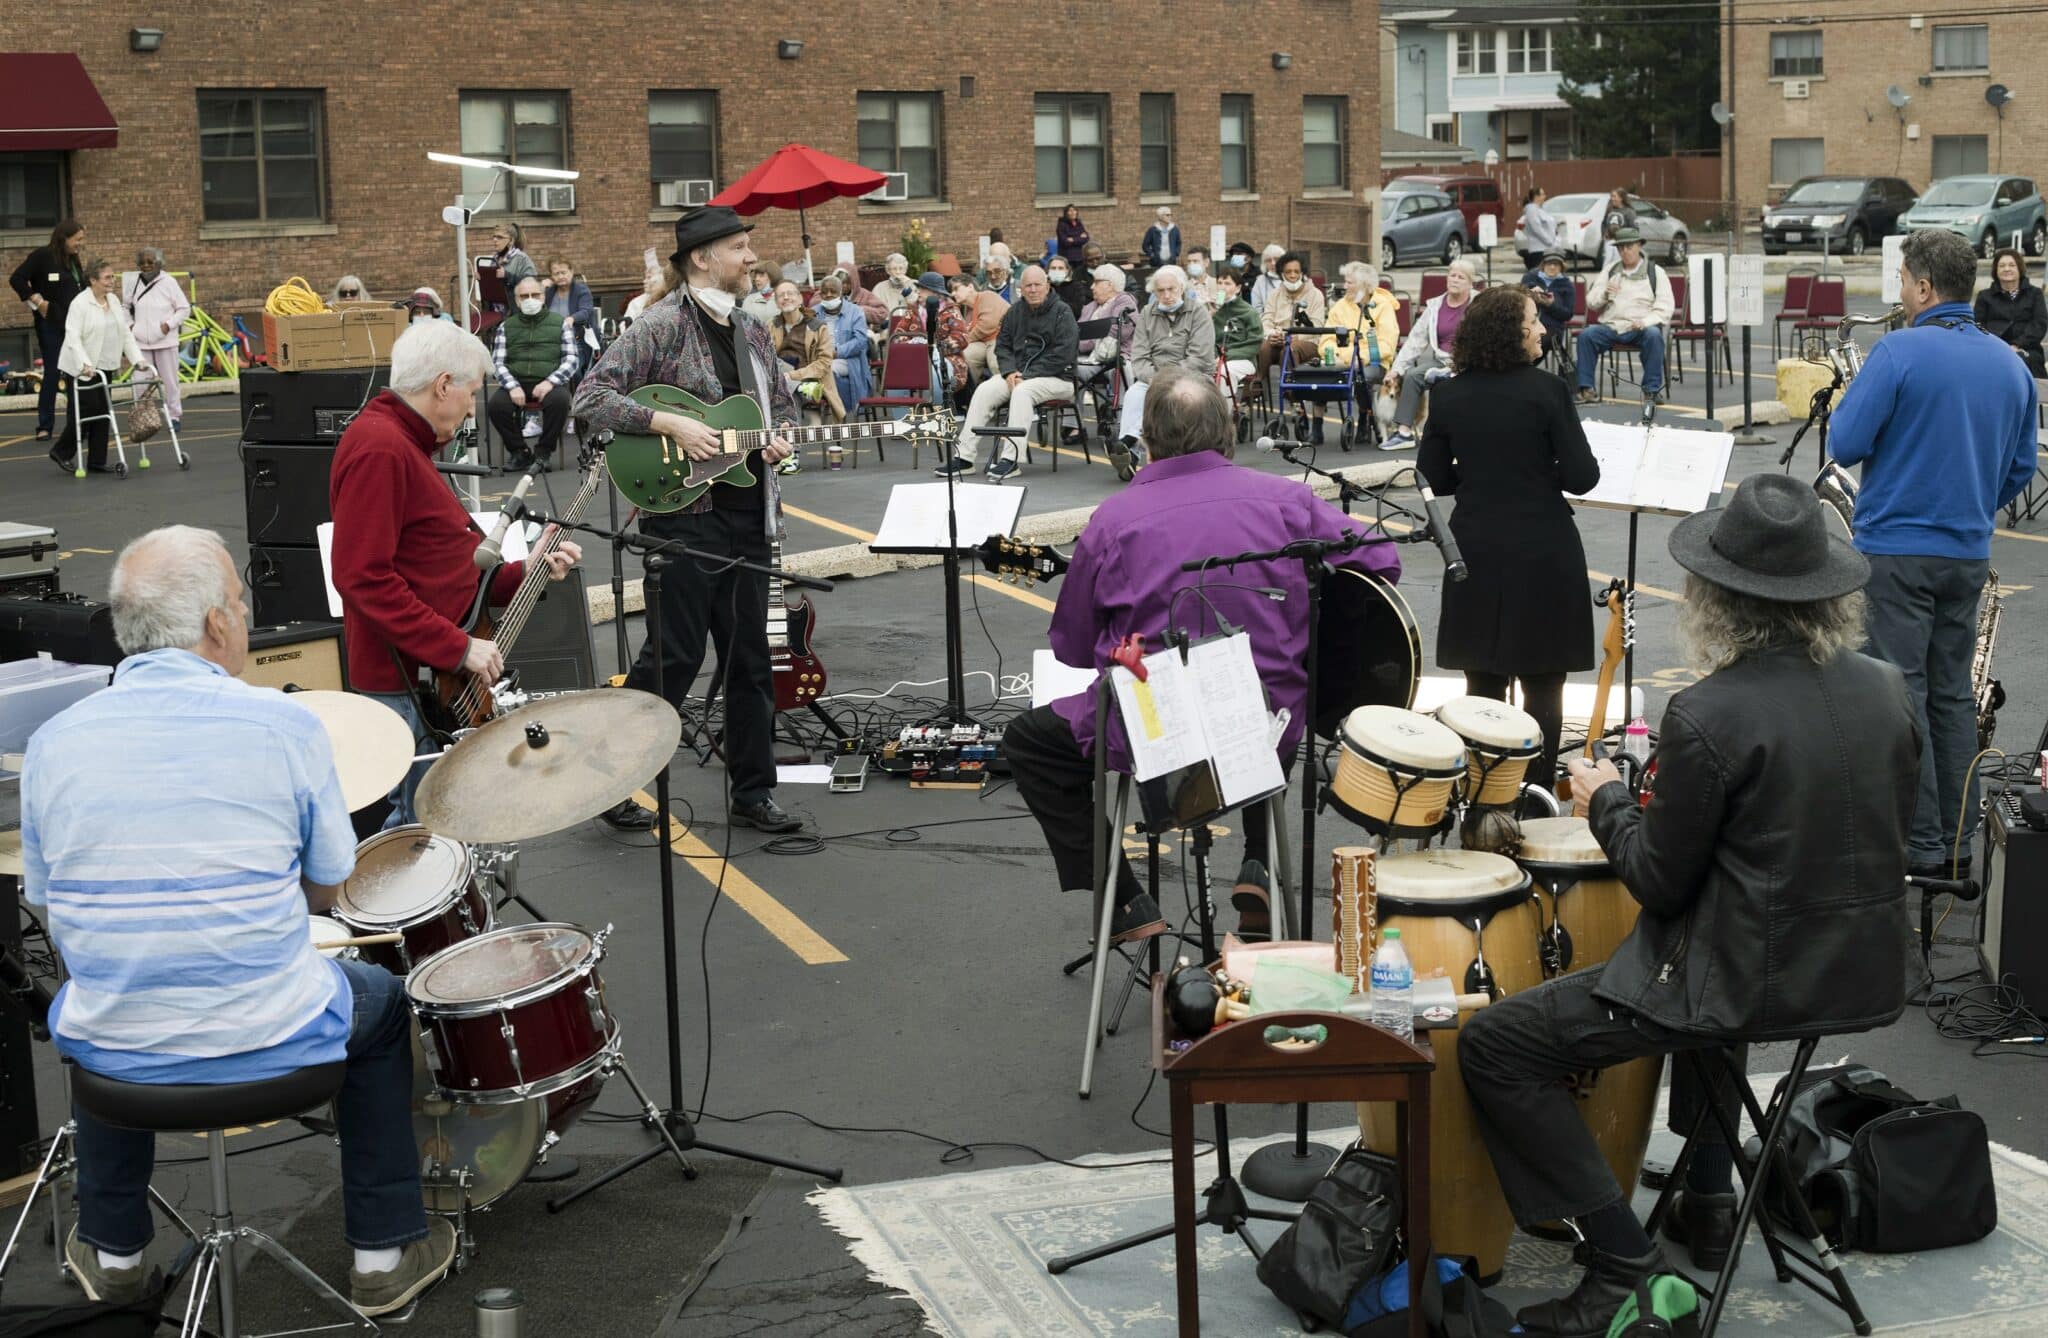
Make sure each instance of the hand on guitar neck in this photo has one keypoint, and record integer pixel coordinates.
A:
(701, 442)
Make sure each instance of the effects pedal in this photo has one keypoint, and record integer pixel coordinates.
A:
(849, 773)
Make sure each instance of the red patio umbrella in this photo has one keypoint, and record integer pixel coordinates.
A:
(797, 176)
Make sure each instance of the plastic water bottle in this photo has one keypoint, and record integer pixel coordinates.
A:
(1635, 742)
(529, 427)
(1393, 986)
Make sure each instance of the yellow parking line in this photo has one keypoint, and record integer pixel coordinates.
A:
(825, 522)
(1013, 591)
(778, 919)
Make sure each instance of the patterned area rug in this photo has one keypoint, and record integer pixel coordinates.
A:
(971, 1250)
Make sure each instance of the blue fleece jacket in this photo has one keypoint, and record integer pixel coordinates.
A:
(1943, 422)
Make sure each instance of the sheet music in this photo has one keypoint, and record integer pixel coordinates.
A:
(1161, 715)
(1617, 448)
(1673, 470)
(915, 521)
(1233, 703)
(1053, 678)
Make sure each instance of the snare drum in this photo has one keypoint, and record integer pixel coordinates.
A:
(515, 1014)
(327, 931)
(1470, 916)
(1499, 740)
(1395, 771)
(414, 883)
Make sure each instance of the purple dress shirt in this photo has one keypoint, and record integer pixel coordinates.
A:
(1126, 571)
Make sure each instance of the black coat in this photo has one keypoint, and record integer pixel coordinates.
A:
(57, 280)
(1771, 861)
(2020, 320)
(1508, 445)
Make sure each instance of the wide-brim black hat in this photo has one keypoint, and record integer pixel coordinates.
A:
(707, 223)
(1771, 542)
(933, 282)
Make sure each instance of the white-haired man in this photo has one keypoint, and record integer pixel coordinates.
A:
(404, 543)
(184, 924)
(1036, 349)
(1172, 330)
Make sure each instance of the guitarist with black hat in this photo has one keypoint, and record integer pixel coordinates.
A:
(696, 338)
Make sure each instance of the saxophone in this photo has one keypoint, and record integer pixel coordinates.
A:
(1987, 692)
(1843, 355)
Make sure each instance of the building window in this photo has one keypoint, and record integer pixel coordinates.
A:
(1443, 128)
(1236, 138)
(899, 132)
(1322, 141)
(33, 191)
(1478, 52)
(1070, 133)
(682, 137)
(1529, 51)
(531, 129)
(260, 157)
(1963, 47)
(1792, 159)
(1155, 143)
(1956, 155)
(1795, 55)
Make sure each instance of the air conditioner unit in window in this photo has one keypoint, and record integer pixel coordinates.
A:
(895, 189)
(554, 197)
(687, 194)
(1798, 88)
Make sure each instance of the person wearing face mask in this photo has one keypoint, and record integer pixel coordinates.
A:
(1267, 281)
(534, 357)
(424, 305)
(803, 345)
(1239, 330)
(2010, 308)
(403, 542)
(1201, 283)
(157, 308)
(1425, 354)
(1061, 276)
(96, 340)
(895, 290)
(848, 326)
(1291, 299)
(1099, 358)
(1172, 330)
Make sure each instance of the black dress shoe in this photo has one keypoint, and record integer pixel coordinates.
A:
(1253, 899)
(1588, 1312)
(765, 815)
(62, 463)
(43, 434)
(1704, 1224)
(1137, 919)
(627, 816)
(1939, 869)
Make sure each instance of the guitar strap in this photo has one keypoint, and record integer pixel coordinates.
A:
(755, 385)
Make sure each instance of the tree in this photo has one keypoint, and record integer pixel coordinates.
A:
(1640, 77)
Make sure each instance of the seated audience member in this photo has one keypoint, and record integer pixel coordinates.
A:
(995, 275)
(2012, 309)
(1065, 286)
(1368, 312)
(1099, 357)
(425, 305)
(1172, 330)
(1555, 298)
(1201, 283)
(871, 305)
(912, 323)
(1291, 301)
(1239, 330)
(654, 285)
(984, 312)
(1632, 298)
(1426, 353)
(898, 287)
(534, 355)
(1267, 281)
(348, 288)
(760, 299)
(1161, 244)
(849, 328)
(1035, 351)
(804, 346)
(569, 297)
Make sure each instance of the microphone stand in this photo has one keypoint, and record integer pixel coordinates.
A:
(677, 1132)
(1819, 413)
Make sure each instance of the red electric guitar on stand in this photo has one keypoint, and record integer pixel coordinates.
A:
(799, 673)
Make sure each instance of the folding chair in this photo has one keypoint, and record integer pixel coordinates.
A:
(1434, 283)
(1826, 303)
(1798, 292)
(906, 384)
(1683, 331)
(1048, 417)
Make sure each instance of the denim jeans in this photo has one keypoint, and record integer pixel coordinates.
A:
(380, 1175)
(401, 794)
(1648, 342)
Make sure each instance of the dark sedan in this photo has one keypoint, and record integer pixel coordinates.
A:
(1851, 213)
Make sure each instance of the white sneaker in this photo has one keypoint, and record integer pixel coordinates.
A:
(1400, 441)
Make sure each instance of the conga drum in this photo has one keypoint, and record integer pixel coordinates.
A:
(1396, 770)
(1587, 913)
(1470, 916)
(1500, 741)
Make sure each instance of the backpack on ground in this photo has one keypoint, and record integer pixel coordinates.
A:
(1664, 1306)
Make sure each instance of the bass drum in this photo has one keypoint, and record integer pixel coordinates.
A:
(495, 1145)
(1368, 648)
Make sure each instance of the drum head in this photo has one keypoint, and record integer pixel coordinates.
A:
(325, 931)
(1560, 841)
(1495, 726)
(402, 875)
(1448, 882)
(495, 1144)
(1406, 739)
(520, 960)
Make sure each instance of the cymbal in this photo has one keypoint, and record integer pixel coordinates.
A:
(548, 765)
(373, 746)
(10, 849)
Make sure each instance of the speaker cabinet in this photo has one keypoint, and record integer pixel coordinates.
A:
(304, 655)
(286, 585)
(2016, 900)
(284, 488)
(554, 651)
(306, 407)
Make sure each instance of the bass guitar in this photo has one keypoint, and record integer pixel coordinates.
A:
(657, 476)
(1614, 647)
(798, 672)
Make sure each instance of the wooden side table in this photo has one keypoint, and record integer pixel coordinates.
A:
(1234, 1065)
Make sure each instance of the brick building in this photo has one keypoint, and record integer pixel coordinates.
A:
(1810, 97)
(260, 142)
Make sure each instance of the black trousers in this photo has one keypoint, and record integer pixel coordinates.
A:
(88, 401)
(506, 419)
(1518, 1057)
(1057, 784)
(1542, 697)
(731, 606)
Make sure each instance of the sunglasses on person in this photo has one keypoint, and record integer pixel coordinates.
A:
(351, 292)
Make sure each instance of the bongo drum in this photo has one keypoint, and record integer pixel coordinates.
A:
(1500, 740)
(1589, 913)
(1470, 916)
(1395, 771)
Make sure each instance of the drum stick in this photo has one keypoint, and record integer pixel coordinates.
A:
(1479, 1000)
(369, 940)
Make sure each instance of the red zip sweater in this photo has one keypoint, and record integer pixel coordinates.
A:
(402, 549)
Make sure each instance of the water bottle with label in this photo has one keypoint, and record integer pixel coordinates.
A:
(1393, 986)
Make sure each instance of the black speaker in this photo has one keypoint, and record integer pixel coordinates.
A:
(2015, 932)
(306, 407)
(554, 651)
(285, 488)
(286, 585)
(69, 627)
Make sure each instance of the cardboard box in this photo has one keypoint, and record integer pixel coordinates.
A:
(359, 334)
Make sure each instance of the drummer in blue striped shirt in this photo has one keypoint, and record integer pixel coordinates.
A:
(178, 827)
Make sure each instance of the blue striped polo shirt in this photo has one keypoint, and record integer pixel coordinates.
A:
(166, 823)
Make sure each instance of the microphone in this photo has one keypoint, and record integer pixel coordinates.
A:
(1649, 410)
(1268, 445)
(931, 316)
(493, 547)
(1440, 533)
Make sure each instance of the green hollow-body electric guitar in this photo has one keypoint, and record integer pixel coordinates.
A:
(655, 475)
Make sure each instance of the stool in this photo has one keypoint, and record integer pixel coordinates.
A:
(1770, 1163)
(212, 1109)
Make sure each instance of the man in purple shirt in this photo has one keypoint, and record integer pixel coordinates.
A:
(1190, 503)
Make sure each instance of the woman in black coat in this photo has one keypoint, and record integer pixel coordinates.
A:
(47, 281)
(2013, 309)
(1503, 437)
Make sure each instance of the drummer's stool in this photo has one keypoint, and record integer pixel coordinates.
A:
(1815, 1269)
(212, 1109)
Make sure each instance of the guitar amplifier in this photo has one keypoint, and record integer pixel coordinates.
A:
(306, 408)
(2015, 924)
(69, 627)
(298, 655)
(286, 585)
(554, 651)
(285, 488)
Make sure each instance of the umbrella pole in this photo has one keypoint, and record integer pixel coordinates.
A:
(803, 225)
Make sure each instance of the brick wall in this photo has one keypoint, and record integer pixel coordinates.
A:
(392, 74)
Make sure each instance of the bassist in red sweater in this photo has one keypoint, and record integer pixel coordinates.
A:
(403, 542)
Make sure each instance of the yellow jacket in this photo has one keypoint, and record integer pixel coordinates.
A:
(1345, 315)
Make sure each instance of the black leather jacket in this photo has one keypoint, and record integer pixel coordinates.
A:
(1771, 859)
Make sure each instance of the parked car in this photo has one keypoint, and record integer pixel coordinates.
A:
(1985, 210)
(1473, 195)
(1851, 213)
(1578, 224)
(1419, 224)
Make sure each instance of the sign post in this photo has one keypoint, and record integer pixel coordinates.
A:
(1746, 309)
(1489, 237)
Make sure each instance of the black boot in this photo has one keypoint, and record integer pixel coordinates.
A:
(1315, 430)
(1705, 1225)
(1590, 1309)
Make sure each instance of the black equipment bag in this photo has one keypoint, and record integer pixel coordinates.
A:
(1344, 1238)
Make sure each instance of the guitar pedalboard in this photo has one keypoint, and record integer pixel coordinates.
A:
(943, 754)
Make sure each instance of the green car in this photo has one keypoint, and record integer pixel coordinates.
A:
(1986, 210)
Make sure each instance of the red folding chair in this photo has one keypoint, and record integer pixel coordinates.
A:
(906, 384)
(1827, 301)
(1798, 292)
(1434, 282)
(1404, 314)
(1684, 330)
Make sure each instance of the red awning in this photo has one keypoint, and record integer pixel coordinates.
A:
(47, 101)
